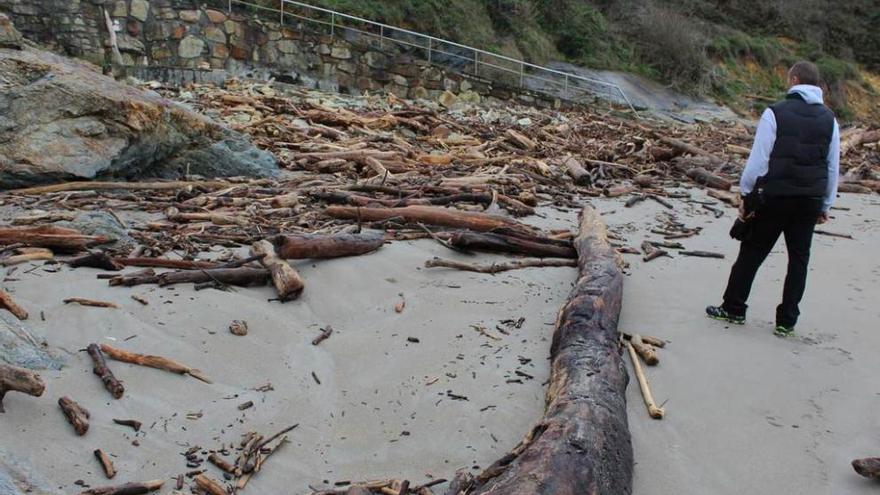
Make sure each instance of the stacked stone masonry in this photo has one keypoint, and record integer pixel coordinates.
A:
(186, 34)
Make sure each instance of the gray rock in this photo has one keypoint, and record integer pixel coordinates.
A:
(190, 47)
(140, 9)
(60, 119)
(103, 224)
(19, 347)
(9, 36)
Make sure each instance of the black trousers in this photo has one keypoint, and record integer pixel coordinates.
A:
(796, 219)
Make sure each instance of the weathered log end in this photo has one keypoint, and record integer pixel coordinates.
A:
(15, 379)
(869, 468)
(582, 445)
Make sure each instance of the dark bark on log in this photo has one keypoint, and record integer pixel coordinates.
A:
(702, 254)
(76, 415)
(306, 246)
(287, 281)
(430, 215)
(242, 277)
(103, 371)
(126, 489)
(506, 244)
(869, 468)
(582, 445)
(163, 263)
(47, 236)
(98, 259)
(14, 379)
(8, 304)
(706, 178)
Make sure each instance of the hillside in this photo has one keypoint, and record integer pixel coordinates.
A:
(731, 50)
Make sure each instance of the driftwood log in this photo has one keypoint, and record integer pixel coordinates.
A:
(305, 246)
(243, 277)
(498, 267)
(576, 171)
(14, 379)
(706, 178)
(287, 281)
(869, 468)
(76, 415)
(149, 361)
(582, 445)
(126, 489)
(429, 215)
(101, 369)
(8, 304)
(47, 236)
(498, 243)
(106, 463)
(97, 259)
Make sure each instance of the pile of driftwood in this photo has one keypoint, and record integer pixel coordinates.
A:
(364, 172)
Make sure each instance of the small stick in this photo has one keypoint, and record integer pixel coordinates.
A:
(8, 304)
(243, 481)
(126, 489)
(652, 252)
(498, 267)
(90, 302)
(654, 411)
(703, 254)
(221, 463)
(140, 300)
(133, 423)
(834, 234)
(103, 371)
(106, 463)
(157, 362)
(645, 351)
(404, 488)
(77, 416)
(660, 200)
(325, 334)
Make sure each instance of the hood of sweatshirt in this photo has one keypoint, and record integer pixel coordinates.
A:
(811, 94)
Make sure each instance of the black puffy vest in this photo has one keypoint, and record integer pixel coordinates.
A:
(799, 160)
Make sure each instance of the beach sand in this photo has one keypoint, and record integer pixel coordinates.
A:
(747, 412)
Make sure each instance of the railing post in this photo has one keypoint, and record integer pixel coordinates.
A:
(282, 12)
(476, 63)
(429, 50)
(381, 36)
(522, 75)
(230, 6)
(332, 23)
(565, 92)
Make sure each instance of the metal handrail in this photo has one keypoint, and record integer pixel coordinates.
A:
(568, 83)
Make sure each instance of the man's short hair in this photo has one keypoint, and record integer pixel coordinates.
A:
(806, 72)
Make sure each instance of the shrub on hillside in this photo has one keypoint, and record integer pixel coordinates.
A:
(674, 45)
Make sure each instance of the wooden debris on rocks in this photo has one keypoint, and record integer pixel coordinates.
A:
(15, 379)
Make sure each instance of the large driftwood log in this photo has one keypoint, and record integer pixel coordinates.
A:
(14, 379)
(126, 489)
(497, 267)
(487, 241)
(576, 171)
(430, 215)
(869, 468)
(47, 236)
(287, 281)
(128, 186)
(582, 445)
(304, 246)
(706, 178)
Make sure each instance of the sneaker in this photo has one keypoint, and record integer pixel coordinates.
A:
(783, 331)
(719, 313)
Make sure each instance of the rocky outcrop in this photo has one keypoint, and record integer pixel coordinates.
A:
(19, 347)
(9, 36)
(61, 119)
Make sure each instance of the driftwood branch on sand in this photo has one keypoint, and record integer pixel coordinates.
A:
(582, 445)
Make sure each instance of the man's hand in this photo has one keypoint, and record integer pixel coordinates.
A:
(823, 218)
(742, 212)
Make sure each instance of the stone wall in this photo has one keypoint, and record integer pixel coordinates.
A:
(187, 34)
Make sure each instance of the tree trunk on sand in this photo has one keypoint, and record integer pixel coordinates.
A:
(430, 215)
(582, 445)
(305, 246)
(47, 236)
(498, 243)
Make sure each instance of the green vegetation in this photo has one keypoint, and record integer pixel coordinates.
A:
(723, 48)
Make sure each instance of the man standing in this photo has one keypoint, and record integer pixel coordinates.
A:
(791, 177)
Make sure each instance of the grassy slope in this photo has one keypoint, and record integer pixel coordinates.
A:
(727, 49)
